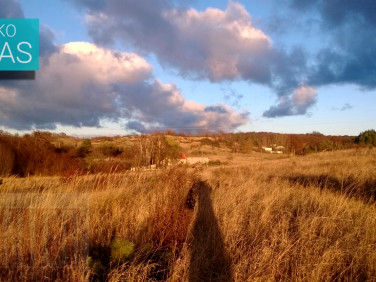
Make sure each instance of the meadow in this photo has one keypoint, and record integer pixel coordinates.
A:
(256, 218)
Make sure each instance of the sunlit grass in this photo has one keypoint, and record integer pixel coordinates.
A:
(309, 218)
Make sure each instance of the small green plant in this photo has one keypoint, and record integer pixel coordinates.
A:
(121, 250)
(96, 266)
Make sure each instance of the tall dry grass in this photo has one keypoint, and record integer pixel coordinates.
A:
(309, 218)
(276, 228)
(95, 227)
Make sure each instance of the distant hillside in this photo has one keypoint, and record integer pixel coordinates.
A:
(46, 153)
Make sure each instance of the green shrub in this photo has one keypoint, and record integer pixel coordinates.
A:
(367, 137)
(84, 148)
(121, 250)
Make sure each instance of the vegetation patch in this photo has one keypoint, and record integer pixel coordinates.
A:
(247, 216)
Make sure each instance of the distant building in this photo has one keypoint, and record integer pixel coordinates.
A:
(274, 149)
(267, 149)
(193, 160)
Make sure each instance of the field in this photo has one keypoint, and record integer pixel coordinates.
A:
(255, 217)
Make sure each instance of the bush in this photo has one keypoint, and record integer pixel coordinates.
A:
(33, 154)
(366, 138)
(110, 151)
(84, 149)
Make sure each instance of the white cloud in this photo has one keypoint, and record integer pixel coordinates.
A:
(213, 44)
(82, 84)
(224, 37)
(106, 66)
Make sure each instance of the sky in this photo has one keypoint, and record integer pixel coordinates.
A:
(117, 67)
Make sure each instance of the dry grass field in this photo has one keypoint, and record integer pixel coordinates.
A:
(257, 218)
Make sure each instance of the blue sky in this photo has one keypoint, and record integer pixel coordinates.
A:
(113, 67)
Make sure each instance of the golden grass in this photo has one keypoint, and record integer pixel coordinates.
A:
(49, 228)
(276, 229)
(309, 218)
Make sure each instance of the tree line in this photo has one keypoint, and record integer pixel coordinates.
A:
(45, 153)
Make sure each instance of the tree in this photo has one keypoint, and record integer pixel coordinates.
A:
(84, 148)
(155, 149)
(172, 148)
(367, 137)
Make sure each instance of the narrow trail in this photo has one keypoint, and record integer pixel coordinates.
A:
(209, 260)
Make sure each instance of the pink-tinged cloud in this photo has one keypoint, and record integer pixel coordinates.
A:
(213, 44)
(114, 66)
(161, 106)
(224, 38)
(304, 96)
(298, 103)
(220, 45)
(81, 84)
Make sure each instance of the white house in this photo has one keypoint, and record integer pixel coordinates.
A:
(267, 149)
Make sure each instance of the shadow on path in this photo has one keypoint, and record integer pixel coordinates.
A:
(209, 260)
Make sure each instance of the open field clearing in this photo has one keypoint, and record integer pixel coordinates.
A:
(264, 218)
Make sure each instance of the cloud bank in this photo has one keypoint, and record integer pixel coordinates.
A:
(215, 45)
(82, 84)
(224, 45)
(349, 56)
